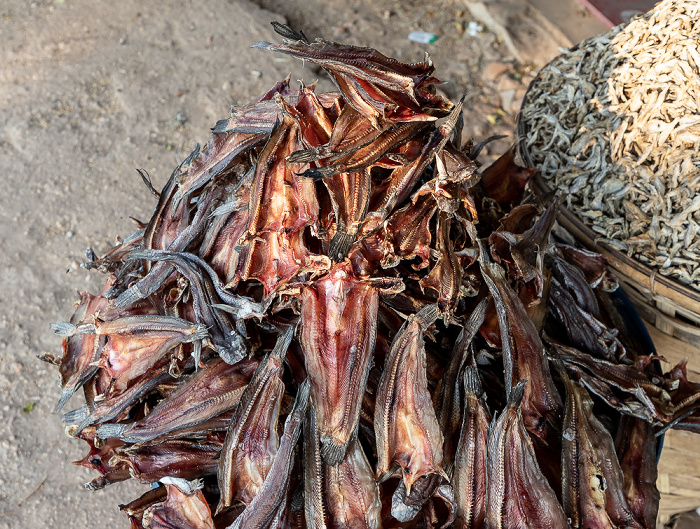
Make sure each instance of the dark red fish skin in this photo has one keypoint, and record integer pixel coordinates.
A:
(406, 424)
(179, 511)
(219, 155)
(219, 244)
(592, 265)
(226, 257)
(406, 234)
(628, 378)
(165, 225)
(470, 467)
(137, 343)
(573, 280)
(592, 480)
(351, 493)
(214, 389)
(111, 407)
(519, 219)
(373, 84)
(252, 440)
(278, 200)
(277, 258)
(350, 194)
(399, 186)
(356, 96)
(541, 398)
(101, 452)
(338, 330)
(686, 397)
(371, 153)
(135, 509)
(318, 116)
(518, 493)
(582, 328)
(505, 180)
(636, 445)
(274, 491)
(446, 276)
(349, 132)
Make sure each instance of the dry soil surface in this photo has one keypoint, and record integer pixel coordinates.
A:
(92, 90)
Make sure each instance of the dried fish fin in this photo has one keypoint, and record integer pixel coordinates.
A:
(288, 33)
(314, 505)
(470, 467)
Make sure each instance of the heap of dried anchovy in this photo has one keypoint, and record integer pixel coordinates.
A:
(334, 319)
(614, 123)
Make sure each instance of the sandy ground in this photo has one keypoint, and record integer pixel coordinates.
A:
(92, 90)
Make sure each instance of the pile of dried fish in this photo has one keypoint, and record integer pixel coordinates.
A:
(334, 318)
(620, 136)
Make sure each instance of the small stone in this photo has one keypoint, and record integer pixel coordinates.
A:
(507, 99)
(506, 83)
(493, 70)
(69, 234)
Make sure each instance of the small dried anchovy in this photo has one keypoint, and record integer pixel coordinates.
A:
(338, 265)
(614, 123)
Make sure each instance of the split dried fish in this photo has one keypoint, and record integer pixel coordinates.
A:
(404, 310)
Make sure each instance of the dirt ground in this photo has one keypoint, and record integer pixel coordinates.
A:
(92, 90)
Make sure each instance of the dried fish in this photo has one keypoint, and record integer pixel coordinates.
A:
(470, 468)
(379, 307)
(591, 475)
(260, 511)
(338, 331)
(213, 390)
(184, 508)
(405, 421)
(624, 124)
(518, 493)
(251, 441)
